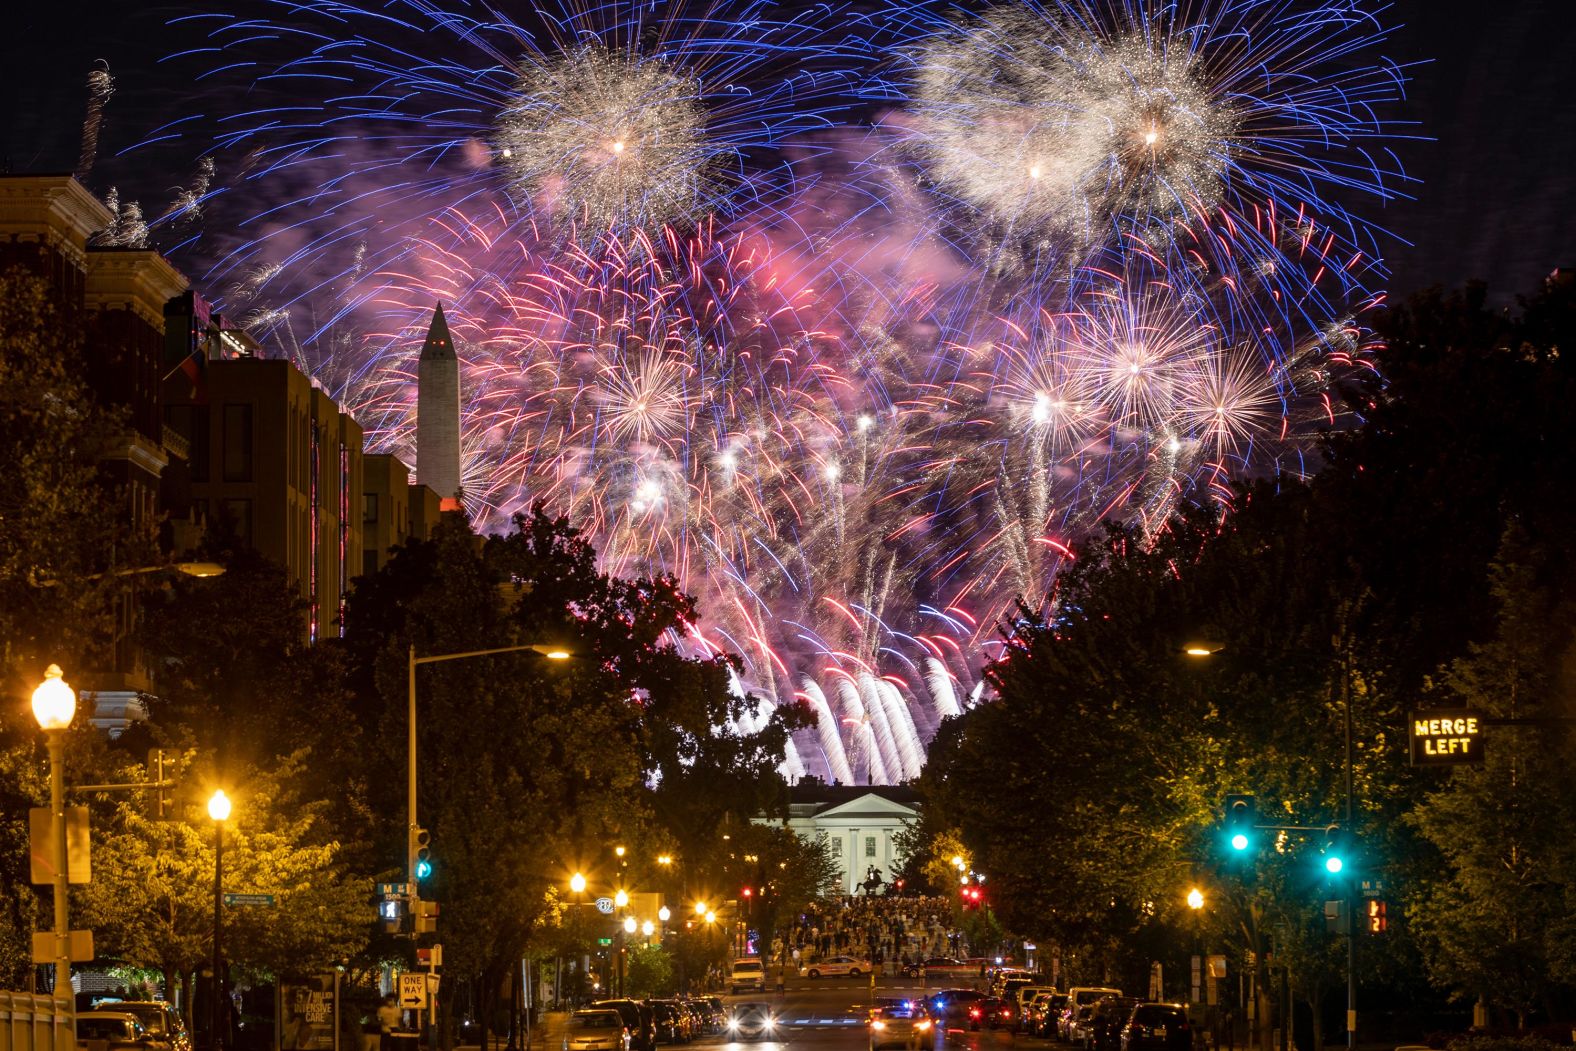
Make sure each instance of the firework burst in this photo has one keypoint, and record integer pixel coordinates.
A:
(862, 391)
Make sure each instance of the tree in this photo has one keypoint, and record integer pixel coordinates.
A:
(650, 972)
(1494, 920)
(150, 902)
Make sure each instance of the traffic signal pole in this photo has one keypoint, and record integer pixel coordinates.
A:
(1351, 898)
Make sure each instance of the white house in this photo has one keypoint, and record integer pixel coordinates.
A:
(860, 823)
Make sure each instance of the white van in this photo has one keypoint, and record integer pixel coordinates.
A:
(748, 973)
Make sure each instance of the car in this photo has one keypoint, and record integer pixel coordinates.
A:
(747, 973)
(162, 1021)
(638, 1019)
(1043, 1011)
(836, 965)
(936, 967)
(596, 1030)
(1021, 998)
(905, 1025)
(1103, 1032)
(719, 1014)
(1080, 996)
(952, 1005)
(672, 1023)
(991, 1012)
(1077, 1026)
(113, 1031)
(751, 1021)
(1158, 1027)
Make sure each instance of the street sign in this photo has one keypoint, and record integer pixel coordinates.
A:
(430, 957)
(413, 990)
(604, 941)
(394, 890)
(80, 946)
(1445, 737)
(605, 906)
(249, 899)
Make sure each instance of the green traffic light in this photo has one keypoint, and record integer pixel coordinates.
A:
(1334, 864)
(1239, 842)
(423, 868)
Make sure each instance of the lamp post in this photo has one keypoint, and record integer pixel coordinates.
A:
(219, 810)
(554, 653)
(54, 705)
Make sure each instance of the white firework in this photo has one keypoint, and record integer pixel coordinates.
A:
(610, 139)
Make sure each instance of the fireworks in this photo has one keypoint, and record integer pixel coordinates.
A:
(861, 390)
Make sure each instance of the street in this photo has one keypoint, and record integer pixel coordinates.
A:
(832, 1014)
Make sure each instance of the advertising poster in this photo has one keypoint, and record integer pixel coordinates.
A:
(308, 1014)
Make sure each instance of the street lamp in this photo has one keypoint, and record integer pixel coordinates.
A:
(54, 705)
(648, 929)
(664, 914)
(1195, 899)
(700, 908)
(551, 652)
(219, 810)
(621, 898)
(577, 883)
(629, 925)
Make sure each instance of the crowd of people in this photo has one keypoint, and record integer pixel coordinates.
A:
(890, 931)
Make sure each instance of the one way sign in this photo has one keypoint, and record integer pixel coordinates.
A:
(413, 991)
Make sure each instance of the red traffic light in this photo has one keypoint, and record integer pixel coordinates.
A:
(747, 892)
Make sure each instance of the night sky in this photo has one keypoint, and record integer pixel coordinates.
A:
(1494, 88)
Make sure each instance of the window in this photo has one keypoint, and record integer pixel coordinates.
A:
(837, 848)
(238, 443)
(870, 846)
(237, 516)
(369, 508)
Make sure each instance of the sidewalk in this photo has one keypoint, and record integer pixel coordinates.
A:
(545, 1035)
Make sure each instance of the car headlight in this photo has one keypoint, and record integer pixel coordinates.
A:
(877, 1024)
(770, 1022)
(733, 1023)
(922, 1026)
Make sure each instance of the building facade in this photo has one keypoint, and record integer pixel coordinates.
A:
(113, 298)
(277, 466)
(861, 826)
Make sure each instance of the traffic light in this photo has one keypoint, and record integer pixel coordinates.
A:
(391, 914)
(972, 897)
(420, 853)
(1337, 854)
(426, 916)
(1240, 817)
(746, 892)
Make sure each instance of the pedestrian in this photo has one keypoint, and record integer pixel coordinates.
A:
(390, 1018)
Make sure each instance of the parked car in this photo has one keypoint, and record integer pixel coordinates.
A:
(751, 1021)
(905, 1025)
(672, 1024)
(747, 974)
(1044, 1009)
(1078, 1025)
(1021, 997)
(1158, 1027)
(836, 965)
(638, 1020)
(1104, 1030)
(112, 1031)
(1080, 996)
(596, 1030)
(719, 1014)
(162, 1021)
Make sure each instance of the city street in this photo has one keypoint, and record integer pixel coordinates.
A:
(832, 1014)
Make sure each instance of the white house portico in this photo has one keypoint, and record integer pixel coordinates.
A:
(859, 823)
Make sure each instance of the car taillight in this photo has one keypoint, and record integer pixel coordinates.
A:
(974, 1012)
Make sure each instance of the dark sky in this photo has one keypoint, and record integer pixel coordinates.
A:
(1494, 197)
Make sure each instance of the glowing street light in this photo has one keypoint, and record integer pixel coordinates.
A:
(577, 883)
(621, 898)
(1195, 899)
(664, 914)
(700, 908)
(54, 706)
(630, 925)
(219, 810)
